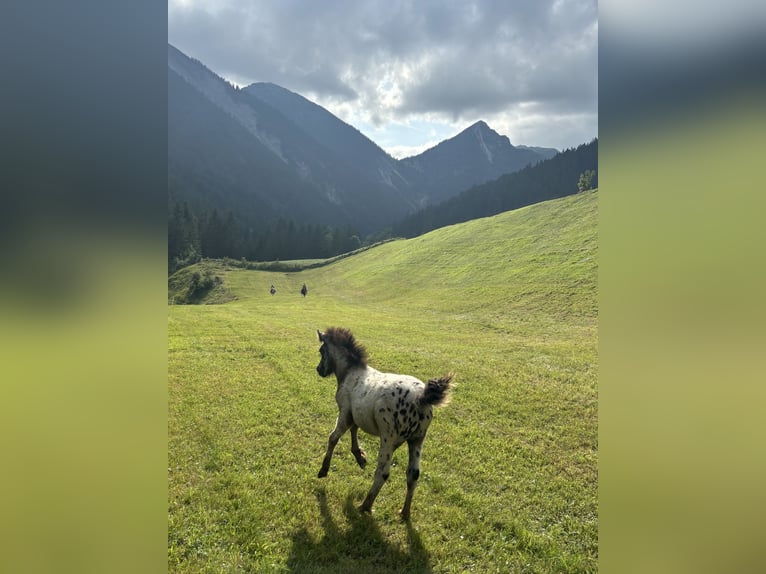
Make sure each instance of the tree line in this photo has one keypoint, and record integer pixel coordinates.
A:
(208, 233)
(213, 235)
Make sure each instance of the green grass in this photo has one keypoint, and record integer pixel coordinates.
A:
(509, 467)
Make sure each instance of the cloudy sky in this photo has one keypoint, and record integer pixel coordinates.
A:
(409, 74)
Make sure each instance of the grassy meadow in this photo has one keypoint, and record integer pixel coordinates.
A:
(509, 468)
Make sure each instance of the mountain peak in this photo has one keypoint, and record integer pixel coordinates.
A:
(476, 155)
(477, 127)
(483, 132)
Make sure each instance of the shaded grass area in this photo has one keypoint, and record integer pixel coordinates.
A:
(509, 468)
(200, 283)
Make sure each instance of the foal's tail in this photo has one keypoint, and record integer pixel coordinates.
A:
(437, 391)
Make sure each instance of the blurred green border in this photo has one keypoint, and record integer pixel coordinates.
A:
(681, 341)
(83, 415)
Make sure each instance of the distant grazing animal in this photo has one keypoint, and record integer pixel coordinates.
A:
(304, 290)
(272, 290)
(397, 408)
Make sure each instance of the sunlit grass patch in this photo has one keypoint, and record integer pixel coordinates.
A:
(509, 479)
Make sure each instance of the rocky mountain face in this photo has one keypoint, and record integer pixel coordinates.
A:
(264, 152)
(476, 155)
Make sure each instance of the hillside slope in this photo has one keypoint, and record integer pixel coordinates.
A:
(538, 259)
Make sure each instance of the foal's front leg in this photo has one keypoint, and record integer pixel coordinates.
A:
(341, 426)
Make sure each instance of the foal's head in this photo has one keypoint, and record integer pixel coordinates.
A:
(339, 352)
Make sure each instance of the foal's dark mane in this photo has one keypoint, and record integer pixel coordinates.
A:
(341, 337)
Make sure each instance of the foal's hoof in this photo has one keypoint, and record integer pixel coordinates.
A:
(405, 516)
(366, 509)
(322, 473)
(361, 460)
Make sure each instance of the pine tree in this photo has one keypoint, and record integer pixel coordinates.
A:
(586, 180)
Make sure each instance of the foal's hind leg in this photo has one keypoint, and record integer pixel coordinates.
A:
(359, 454)
(413, 473)
(381, 473)
(341, 425)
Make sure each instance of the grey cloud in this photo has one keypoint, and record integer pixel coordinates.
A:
(518, 52)
(457, 59)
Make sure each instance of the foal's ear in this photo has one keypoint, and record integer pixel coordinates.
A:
(320, 335)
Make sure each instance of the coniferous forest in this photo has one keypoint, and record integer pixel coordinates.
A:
(193, 235)
(550, 179)
(213, 235)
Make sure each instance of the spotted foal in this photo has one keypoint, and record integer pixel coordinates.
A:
(397, 408)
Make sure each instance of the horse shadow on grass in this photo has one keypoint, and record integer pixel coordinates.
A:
(359, 548)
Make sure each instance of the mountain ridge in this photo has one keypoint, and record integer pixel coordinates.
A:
(330, 173)
(318, 177)
(343, 138)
